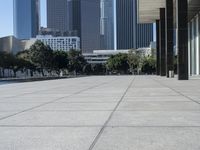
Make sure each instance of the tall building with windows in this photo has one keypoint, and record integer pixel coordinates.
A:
(26, 20)
(60, 43)
(90, 25)
(59, 14)
(82, 16)
(107, 24)
(129, 33)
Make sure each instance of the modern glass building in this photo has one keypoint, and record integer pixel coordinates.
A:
(130, 34)
(184, 17)
(107, 24)
(26, 18)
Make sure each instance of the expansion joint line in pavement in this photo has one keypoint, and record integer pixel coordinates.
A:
(53, 101)
(110, 116)
(178, 92)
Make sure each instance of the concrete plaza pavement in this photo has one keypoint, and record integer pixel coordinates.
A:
(101, 113)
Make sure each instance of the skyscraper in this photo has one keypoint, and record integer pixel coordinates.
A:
(26, 18)
(59, 15)
(129, 33)
(82, 16)
(90, 25)
(107, 24)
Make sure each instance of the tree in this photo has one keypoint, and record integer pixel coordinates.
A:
(87, 69)
(24, 61)
(118, 63)
(60, 61)
(8, 61)
(99, 69)
(41, 56)
(134, 60)
(149, 65)
(76, 61)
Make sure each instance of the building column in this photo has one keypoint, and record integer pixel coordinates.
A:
(197, 45)
(169, 37)
(158, 47)
(162, 43)
(182, 44)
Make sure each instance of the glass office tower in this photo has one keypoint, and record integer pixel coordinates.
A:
(107, 24)
(129, 33)
(26, 18)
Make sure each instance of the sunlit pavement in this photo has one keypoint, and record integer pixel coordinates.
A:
(101, 113)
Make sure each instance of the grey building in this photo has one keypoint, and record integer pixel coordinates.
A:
(129, 33)
(90, 25)
(26, 18)
(82, 16)
(59, 14)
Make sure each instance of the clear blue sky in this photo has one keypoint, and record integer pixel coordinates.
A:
(6, 16)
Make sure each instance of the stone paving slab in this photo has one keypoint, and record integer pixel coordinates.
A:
(149, 138)
(159, 99)
(159, 106)
(8, 106)
(101, 113)
(47, 138)
(78, 107)
(58, 118)
(4, 113)
(155, 118)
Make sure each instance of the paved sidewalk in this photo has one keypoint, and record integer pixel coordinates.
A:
(101, 113)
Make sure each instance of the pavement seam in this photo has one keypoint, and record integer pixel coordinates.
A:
(110, 116)
(90, 126)
(53, 101)
(34, 91)
(189, 98)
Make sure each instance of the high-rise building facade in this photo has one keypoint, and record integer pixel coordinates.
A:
(59, 15)
(82, 16)
(107, 24)
(90, 25)
(144, 35)
(129, 33)
(26, 20)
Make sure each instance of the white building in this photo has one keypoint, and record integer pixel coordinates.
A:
(101, 56)
(60, 43)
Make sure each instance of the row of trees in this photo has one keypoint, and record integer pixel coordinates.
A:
(42, 59)
(132, 63)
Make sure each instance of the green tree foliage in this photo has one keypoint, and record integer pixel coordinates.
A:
(60, 61)
(118, 63)
(87, 69)
(134, 60)
(99, 69)
(24, 61)
(76, 61)
(149, 65)
(41, 55)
